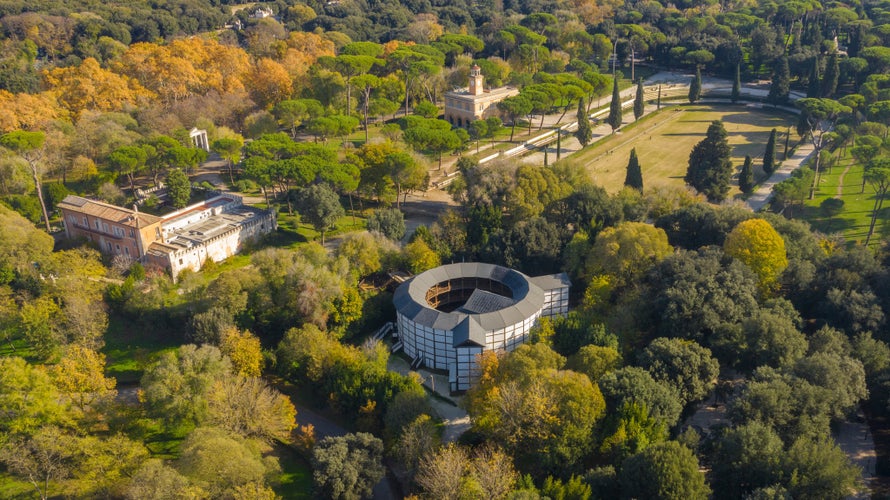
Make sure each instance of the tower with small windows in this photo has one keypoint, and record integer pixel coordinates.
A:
(477, 85)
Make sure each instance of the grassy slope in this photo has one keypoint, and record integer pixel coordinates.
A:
(664, 140)
(852, 222)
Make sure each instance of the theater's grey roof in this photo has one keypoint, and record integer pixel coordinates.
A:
(528, 299)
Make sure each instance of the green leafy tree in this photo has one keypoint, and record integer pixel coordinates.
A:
(634, 177)
(627, 250)
(426, 109)
(780, 85)
(769, 154)
(176, 387)
(666, 470)
(639, 101)
(878, 176)
(614, 118)
(698, 292)
(631, 431)
(29, 398)
(48, 455)
(584, 133)
(420, 257)
(29, 146)
(746, 176)
(710, 168)
(478, 130)
(515, 107)
(543, 416)
(347, 467)
(229, 148)
(683, 364)
(831, 76)
(819, 117)
(594, 361)
(218, 462)
(247, 407)
(745, 458)
(179, 188)
(154, 479)
(129, 161)
(633, 384)
(736, 84)
(695, 86)
(820, 470)
(814, 86)
(320, 206)
(389, 222)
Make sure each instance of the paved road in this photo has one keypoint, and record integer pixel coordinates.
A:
(764, 191)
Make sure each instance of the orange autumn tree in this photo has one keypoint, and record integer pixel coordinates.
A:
(185, 68)
(28, 111)
(269, 83)
(91, 87)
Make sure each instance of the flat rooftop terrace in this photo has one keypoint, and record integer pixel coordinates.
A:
(213, 226)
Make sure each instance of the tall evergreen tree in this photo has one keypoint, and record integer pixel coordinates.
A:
(634, 176)
(830, 78)
(710, 169)
(658, 105)
(769, 156)
(614, 119)
(746, 177)
(695, 86)
(584, 132)
(781, 84)
(639, 103)
(814, 86)
(737, 84)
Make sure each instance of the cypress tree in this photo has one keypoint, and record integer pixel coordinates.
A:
(614, 119)
(814, 87)
(710, 168)
(634, 176)
(781, 83)
(769, 156)
(787, 138)
(737, 84)
(746, 177)
(695, 86)
(658, 106)
(830, 78)
(584, 132)
(639, 104)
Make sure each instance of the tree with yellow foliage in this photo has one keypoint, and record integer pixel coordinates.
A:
(80, 375)
(269, 83)
(542, 415)
(243, 348)
(760, 247)
(88, 86)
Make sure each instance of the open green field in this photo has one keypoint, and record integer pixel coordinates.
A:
(665, 139)
(844, 180)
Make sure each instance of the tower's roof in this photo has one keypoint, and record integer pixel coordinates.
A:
(483, 312)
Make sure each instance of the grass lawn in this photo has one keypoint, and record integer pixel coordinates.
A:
(664, 140)
(852, 223)
(129, 350)
(295, 480)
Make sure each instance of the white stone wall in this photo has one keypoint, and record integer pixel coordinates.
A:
(556, 302)
(436, 347)
(221, 247)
